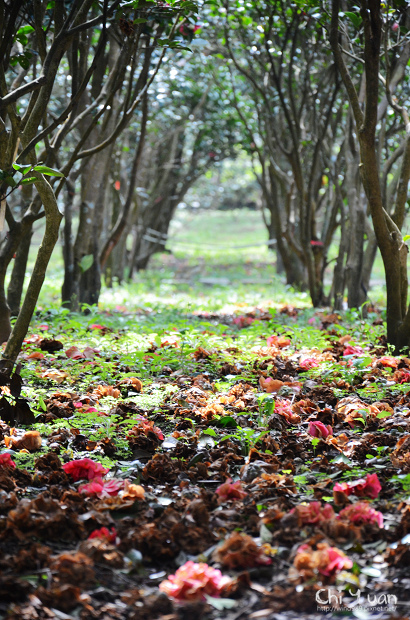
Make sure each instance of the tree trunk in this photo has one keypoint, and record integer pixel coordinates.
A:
(15, 288)
(53, 219)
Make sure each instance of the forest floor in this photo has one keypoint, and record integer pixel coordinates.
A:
(232, 427)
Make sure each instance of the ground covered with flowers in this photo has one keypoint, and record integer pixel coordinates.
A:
(253, 462)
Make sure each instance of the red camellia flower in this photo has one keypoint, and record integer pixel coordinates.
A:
(105, 533)
(6, 461)
(364, 487)
(84, 469)
(402, 376)
(230, 490)
(361, 513)
(318, 429)
(192, 581)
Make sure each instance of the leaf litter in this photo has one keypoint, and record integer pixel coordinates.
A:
(218, 465)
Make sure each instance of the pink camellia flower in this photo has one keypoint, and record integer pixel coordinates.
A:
(338, 561)
(326, 560)
(320, 430)
(361, 513)
(6, 461)
(364, 487)
(243, 320)
(313, 513)
(350, 350)
(284, 408)
(105, 533)
(84, 469)
(309, 362)
(102, 488)
(192, 581)
(230, 490)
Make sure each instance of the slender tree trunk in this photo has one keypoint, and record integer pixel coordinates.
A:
(53, 219)
(15, 288)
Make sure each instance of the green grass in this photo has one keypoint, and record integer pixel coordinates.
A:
(206, 270)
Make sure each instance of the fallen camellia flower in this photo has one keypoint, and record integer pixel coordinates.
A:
(272, 386)
(309, 362)
(230, 490)
(192, 581)
(356, 411)
(56, 375)
(284, 408)
(401, 376)
(364, 487)
(102, 488)
(312, 513)
(240, 551)
(243, 320)
(325, 560)
(388, 361)
(361, 513)
(6, 461)
(278, 341)
(104, 533)
(320, 430)
(351, 350)
(84, 469)
(30, 441)
(143, 427)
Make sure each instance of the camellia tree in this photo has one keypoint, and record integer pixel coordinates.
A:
(278, 51)
(378, 36)
(71, 76)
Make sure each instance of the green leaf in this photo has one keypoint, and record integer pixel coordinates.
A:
(10, 181)
(22, 169)
(51, 172)
(227, 421)
(140, 20)
(28, 181)
(342, 459)
(42, 403)
(86, 262)
(354, 18)
(220, 603)
(25, 30)
(210, 431)
(383, 414)
(406, 237)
